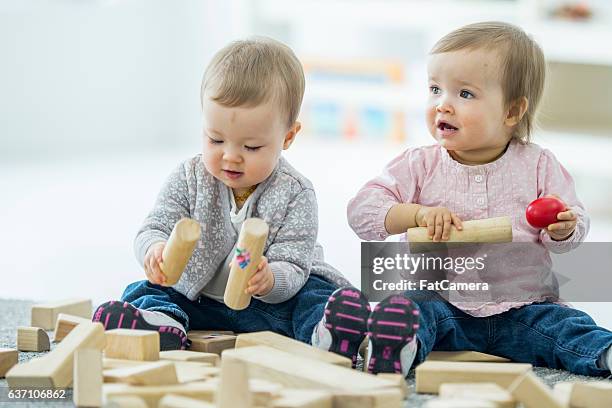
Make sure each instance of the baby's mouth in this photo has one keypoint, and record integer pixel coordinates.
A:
(446, 126)
(233, 174)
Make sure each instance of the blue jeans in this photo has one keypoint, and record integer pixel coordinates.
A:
(543, 334)
(294, 318)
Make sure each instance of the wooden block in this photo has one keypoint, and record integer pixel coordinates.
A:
(459, 403)
(32, 339)
(8, 358)
(87, 385)
(155, 373)
(379, 398)
(249, 249)
(234, 386)
(466, 356)
(55, 370)
(142, 345)
(263, 392)
(399, 381)
(300, 372)
(289, 345)
(186, 371)
(293, 398)
(563, 392)
(186, 355)
(65, 323)
(128, 401)
(533, 393)
(487, 391)
(179, 248)
(431, 374)
(109, 363)
(151, 394)
(176, 401)
(45, 315)
(594, 394)
(208, 342)
(491, 230)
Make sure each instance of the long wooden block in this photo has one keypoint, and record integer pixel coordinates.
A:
(234, 386)
(431, 374)
(151, 394)
(55, 369)
(177, 252)
(64, 324)
(186, 371)
(263, 392)
(398, 380)
(491, 230)
(465, 356)
(155, 373)
(300, 372)
(487, 391)
(142, 345)
(289, 345)
(8, 358)
(87, 384)
(186, 355)
(32, 339)
(533, 393)
(208, 342)
(380, 398)
(176, 401)
(595, 394)
(292, 398)
(45, 314)
(459, 403)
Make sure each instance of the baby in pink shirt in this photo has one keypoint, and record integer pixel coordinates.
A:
(485, 82)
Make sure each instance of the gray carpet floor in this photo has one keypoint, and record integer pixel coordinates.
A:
(17, 313)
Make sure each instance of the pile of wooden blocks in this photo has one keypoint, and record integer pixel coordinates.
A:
(124, 368)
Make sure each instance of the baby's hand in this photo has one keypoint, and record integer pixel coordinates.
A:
(438, 221)
(560, 231)
(151, 263)
(262, 281)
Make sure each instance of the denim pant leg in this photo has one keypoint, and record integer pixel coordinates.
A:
(148, 296)
(443, 327)
(552, 335)
(309, 306)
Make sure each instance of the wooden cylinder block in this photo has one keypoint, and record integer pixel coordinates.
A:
(489, 230)
(248, 254)
(178, 250)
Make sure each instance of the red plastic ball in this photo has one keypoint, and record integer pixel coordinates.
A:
(543, 211)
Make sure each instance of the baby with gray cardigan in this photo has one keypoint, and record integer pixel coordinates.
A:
(251, 95)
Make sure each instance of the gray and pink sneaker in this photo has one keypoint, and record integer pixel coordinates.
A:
(122, 315)
(344, 324)
(392, 328)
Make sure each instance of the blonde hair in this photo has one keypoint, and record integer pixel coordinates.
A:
(254, 71)
(522, 62)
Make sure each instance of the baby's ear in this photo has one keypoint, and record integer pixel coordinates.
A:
(516, 111)
(291, 133)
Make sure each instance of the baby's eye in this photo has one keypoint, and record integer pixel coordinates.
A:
(214, 141)
(466, 94)
(434, 90)
(252, 148)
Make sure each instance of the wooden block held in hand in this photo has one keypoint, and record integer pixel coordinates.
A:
(8, 358)
(87, 385)
(155, 373)
(55, 370)
(289, 345)
(208, 342)
(593, 394)
(186, 355)
(465, 356)
(141, 345)
(431, 374)
(533, 393)
(487, 391)
(32, 339)
(490, 230)
(45, 315)
(65, 323)
(179, 248)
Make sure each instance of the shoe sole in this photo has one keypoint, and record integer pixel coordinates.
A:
(393, 324)
(122, 315)
(346, 315)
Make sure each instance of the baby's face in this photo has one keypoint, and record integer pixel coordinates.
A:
(465, 110)
(242, 145)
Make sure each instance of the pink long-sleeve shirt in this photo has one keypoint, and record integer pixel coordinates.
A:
(431, 177)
